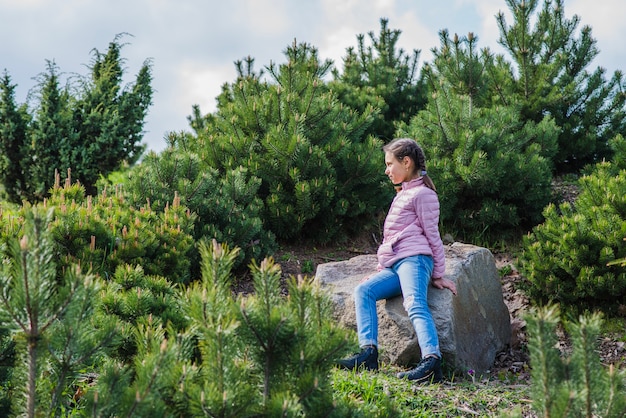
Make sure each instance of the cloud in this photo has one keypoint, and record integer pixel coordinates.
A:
(197, 84)
(194, 43)
(606, 18)
(265, 17)
(344, 21)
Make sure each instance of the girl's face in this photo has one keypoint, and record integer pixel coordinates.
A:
(397, 171)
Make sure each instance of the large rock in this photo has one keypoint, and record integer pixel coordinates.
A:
(473, 326)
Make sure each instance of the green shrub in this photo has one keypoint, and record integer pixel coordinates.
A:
(258, 355)
(492, 175)
(379, 74)
(569, 259)
(132, 298)
(104, 232)
(52, 313)
(91, 123)
(491, 164)
(195, 351)
(226, 207)
(320, 175)
(577, 384)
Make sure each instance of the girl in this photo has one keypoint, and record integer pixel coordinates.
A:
(410, 258)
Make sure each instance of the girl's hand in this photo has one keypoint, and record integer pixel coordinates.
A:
(442, 283)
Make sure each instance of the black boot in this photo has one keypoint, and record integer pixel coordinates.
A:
(367, 358)
(427, 371)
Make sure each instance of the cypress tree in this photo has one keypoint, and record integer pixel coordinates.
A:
(91, 126)
(14, 122)
(109, 119)
(51, 134)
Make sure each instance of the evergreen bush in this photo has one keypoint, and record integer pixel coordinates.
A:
(569, 259)
(258, 355)
(572, 384)
(132, 298)
(551, 74)
(53, 314)
(492, 174)
(383, 76)
(321, 177)
(226, 206)
(103, 232)
(137, 346)
(269, 354)
(92, 125)
(492, 167)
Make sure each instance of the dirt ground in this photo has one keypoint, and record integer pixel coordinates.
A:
(303, 260)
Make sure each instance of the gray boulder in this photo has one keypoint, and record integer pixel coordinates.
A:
(473, 326)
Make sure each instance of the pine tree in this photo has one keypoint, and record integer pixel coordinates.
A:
(132, 298)
(494, 169)
(259, 355)
(548, 370)
(220, 383)
(7, 360)
(319, 174)
(462, 67)
(52, 312)
(551, 59)
(383, 76)
(263, 354)
(574, 385)
(139, 389)
(568, 259)
(292, 343)
(106, 231)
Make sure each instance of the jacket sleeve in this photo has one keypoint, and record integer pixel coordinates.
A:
(427, 209)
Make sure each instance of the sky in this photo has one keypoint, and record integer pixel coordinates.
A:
(192, 44)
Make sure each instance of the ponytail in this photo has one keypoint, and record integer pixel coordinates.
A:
(428, 182)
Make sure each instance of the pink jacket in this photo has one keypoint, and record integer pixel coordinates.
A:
(412, 227)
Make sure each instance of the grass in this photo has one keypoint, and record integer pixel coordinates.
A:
(308, 267)
(382, 394)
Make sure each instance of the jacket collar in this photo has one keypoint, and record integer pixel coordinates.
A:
(413, 183)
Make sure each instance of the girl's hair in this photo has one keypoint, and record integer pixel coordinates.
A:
(407, 147)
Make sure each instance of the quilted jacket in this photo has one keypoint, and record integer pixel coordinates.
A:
(412, 227)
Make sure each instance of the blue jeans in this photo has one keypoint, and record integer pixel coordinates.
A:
(409, 277)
